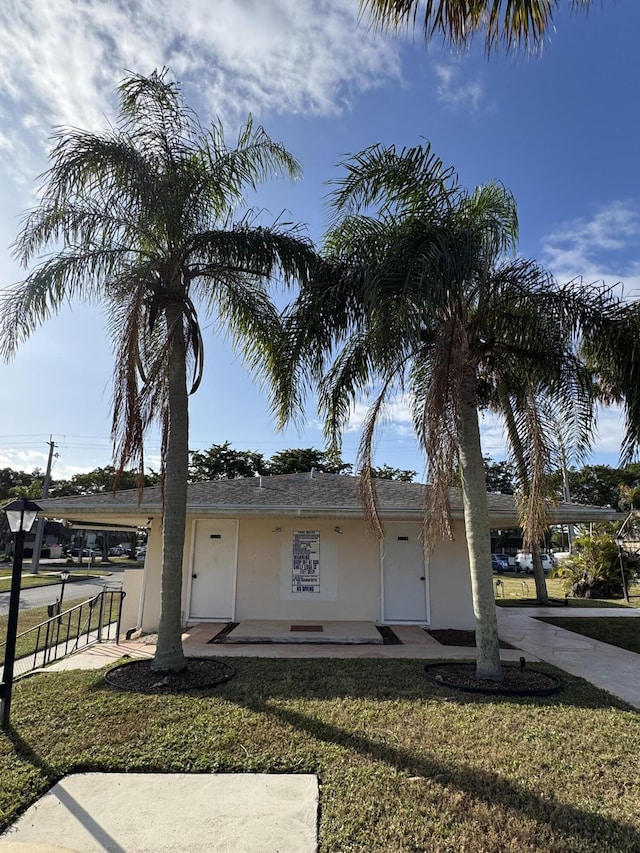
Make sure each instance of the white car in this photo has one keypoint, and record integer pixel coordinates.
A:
(524, 562)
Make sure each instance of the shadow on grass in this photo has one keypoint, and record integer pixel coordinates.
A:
(325, 679)
(265, 686)
(569, 820)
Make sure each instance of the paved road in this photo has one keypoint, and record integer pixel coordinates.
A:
(42, 595)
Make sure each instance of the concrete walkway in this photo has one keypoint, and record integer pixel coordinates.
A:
(176, 813)
(612, 669)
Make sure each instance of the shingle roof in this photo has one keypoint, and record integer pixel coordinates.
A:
(294, 494)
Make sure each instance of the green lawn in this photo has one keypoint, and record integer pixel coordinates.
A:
(404, 765)
(46, 577)
(518, 590)
(620, 631)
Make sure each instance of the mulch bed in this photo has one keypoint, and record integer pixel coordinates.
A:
(138, 677)
(518, 680)
(455, 637)
(389, 637)
(221, 636)
(531, 602)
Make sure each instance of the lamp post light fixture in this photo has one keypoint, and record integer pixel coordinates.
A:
(21, 515)
(64, 577)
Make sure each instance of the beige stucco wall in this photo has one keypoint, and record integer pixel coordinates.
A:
(349, 572)
(450, 584)
(151, 586)
(350, 575)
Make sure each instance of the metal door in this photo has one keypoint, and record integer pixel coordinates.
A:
(404, 575)
(213, 569)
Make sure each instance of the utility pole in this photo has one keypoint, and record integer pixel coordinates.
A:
(37, 547)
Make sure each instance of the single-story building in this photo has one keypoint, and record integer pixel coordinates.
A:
(296, 547)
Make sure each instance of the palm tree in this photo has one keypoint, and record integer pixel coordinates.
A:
(539, 431)
(141, 221)
(417, 295)
(513, 22)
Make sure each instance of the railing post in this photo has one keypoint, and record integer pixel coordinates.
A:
(101, 615)
(119, 620)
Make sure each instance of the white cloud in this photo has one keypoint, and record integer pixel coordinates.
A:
(61, 60)
(22, 460)
(456, 91)
(396, 415)
(605, 247)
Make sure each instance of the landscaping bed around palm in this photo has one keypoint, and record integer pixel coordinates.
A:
(518, 680)
(404, 764)
(139, 677)
(458, 637)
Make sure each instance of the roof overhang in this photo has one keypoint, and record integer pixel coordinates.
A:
(141, 515)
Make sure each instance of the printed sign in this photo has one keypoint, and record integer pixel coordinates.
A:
(306, 561)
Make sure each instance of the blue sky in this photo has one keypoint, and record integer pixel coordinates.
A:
(560, 130)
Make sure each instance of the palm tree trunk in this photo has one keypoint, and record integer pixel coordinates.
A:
(542, 595)
(476, 519)
(169, 655)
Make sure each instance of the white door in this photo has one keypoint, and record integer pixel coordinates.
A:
(213, 569)
(404, 575)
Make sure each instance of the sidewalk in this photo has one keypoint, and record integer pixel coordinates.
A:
(176, 813)
(612, 669)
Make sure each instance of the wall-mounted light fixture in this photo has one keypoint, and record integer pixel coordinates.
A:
(338, 529)
(277, 530)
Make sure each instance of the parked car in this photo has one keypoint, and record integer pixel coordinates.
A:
(75, 552)
(116, 551)
(500, 562)
(141, 552)
(524, 562)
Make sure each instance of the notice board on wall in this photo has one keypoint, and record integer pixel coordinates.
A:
(305, 573)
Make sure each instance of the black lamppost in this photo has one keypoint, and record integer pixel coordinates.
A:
(64, 577)
(21, 515)
(620, 544)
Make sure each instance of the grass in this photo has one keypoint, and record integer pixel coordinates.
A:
(45, 578)
(520, 589)
(36, 615)
(403, 765)
(619, 631)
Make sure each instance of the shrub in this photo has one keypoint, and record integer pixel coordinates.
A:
(594, 571)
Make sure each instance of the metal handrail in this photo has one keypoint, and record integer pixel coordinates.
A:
(92, 621)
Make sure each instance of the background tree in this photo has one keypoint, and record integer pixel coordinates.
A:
(601, 485)
(143, 219)
(299, 460)
(221, 462)
(500, 476)
(386, 472)
(508, 22)
(101, 480)
(10, 480)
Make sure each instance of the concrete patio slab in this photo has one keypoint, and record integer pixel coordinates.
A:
(278, 631)
(172, 813)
